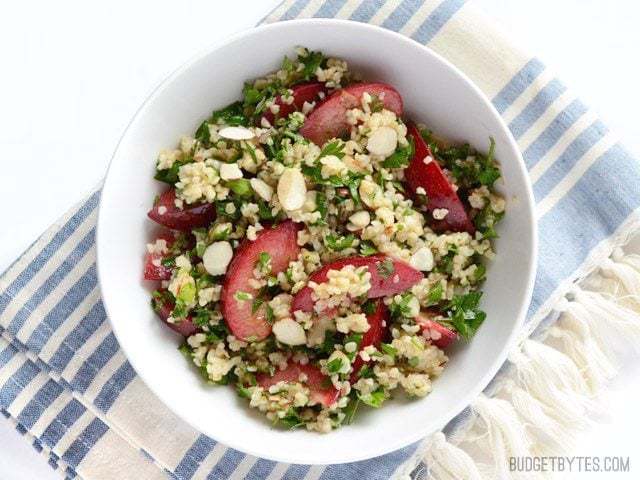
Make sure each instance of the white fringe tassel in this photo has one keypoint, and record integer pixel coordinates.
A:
(539, 405)
(448, 462)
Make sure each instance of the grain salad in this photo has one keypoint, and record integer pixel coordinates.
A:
(320, 252)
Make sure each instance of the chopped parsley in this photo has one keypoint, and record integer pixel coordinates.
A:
(435, 294)
(350, 410)
(241, 187)
(400, 158)
(335, 148)
(374, 399)
(290, 420)
(403, 307)
(369, 307)
(470, 169)
(385, 268)
(336, 243)
(486, 220)
(241, 296)
(170, 175)
(367, 248)
(264, 262)
(464, 314)
(389, 350)
(334, 366)
(231, 115)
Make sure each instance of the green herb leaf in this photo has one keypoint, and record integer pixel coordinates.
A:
(367, 248)
(385, 268)
(336, 243)
(486, 220)
(187, 293)
(231, 115)
(350, 410)
(327, 346)
(269, 315)
(335, 148)
(311, 62)
(479, 273)
(243, 392)
(464, 314)
(435, 293)
(400, 158)
(241, 187)
(403, 307)
(185, 349)
(389, 350)
(369, 307)
(376, 104)
(291, 419)
(334, 366)
(365, 371)
(201, 317)
(256, 304)
(264, 211)
(374, 399)
(264, 260)
(321, 207)
(169, 175)
(241, 296)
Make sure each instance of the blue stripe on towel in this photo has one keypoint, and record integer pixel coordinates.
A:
(194, 457)
(518, 84)
(401, 14)
(16, 383)
(613, 206)
(7, 354)
(295, 471)
(85, 442)
(32, 412)
(65, 419)
(49, 250)
(330, 8)
(536, 107)
(227, 464)
(114, 386)
(572, 155)
(261, 469)
(78, 337)
(554, 131)
(383, 466)
(366, 10)
(436, 20)
(65, 307)
(294, 10)
(52, 282)
(92, 365)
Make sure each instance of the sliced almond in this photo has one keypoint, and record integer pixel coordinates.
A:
(383, 141)
(236, 133)
(292, 189)
(216, 258)
(263, 189)
(422, 259)
(230, 171)
(289, 332)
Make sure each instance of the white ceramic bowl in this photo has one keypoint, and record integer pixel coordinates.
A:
(435, 93)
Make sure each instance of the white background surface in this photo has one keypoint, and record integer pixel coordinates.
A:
(73, 73)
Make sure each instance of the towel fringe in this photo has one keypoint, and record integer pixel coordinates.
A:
(548, 393)
(448, 462)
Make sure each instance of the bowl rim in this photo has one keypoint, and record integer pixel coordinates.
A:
(531, 265)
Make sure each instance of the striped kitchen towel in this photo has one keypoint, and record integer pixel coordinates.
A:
(66, 385)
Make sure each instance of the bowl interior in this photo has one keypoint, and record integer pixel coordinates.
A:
(435, 94)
